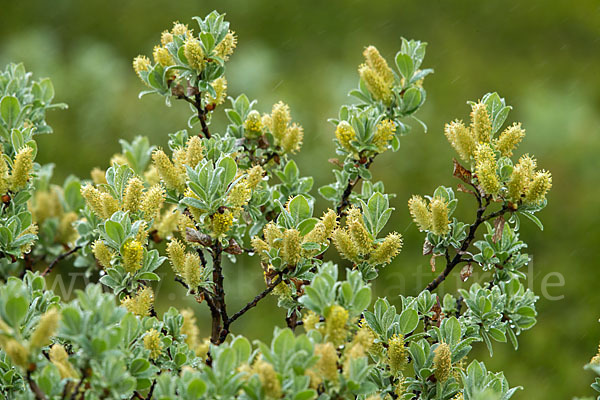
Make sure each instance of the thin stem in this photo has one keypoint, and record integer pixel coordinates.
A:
(344, 202)
(39, 394)
(457, 259)
(254, 301)
(59, 258)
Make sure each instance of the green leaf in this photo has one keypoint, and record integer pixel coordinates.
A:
(299, 209)
(138, 366)
(412, 100)
(15, 311)
(196, 388)
(9, 110)
(230, 167)
(497, 335)
(115, 231)
(405, 66)
(409, 319)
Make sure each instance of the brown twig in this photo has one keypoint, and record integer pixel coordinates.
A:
(344, 202)
(457, 259)
(39, 394)
(59, 258)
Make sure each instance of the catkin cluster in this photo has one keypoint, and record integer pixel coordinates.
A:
(377, 75)
(432, 217)
(286, 134)
(355, 243)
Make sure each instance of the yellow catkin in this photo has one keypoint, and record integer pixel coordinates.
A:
(539, 186)
(190, 329)
(191, 272)
(110, 205)
(375, 84)
(59, 357)
(194, 151)
(98, 176)
(439, 217)
(141, 63)
(517, 184)
(151, 175)
(310, 321)
(221, 222)
(45, 329)
(132, 197)
(133, 254)
(292, 139)
(419, 212)
(509, 139)
(240, 194)
(378, 64)
(442, 362)
(280, 119)
(330, 221)
(180, 29)
(176, 254)
(485, 168)
(173, 177)
(253, 125)
(66, 230)
(261, 248)
(153, 343)
(153, 202)
(255, 176)
(396, 354)
(162, 56)
(291, 247)
(102, 253)
(192, 49)
(220, 86)
(383, 134)
(268, 378)
(345, 245)
(17, 353)
(272, 234)
(142, 233)
(335, 325)
(183, 224)
(480, 123)
(141, 303)
(166, 37)
(119, 159)
(359, 234)
(318, 234)
(46, 205)
(22, 169)
(387, 250)
(227, 45)
(4, 178)
(327, 363)
(596, 359)
(528, 164)
(345, 133)
(461, 138)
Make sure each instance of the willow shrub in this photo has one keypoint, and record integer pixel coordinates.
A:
(212, 196)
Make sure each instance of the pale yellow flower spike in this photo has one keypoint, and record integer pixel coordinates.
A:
(192, 49)
(176, 253)
(345, 245)
(141, 303)
(220, 86)
(166, 37)
(221, 222)
(442, 362)
(110, 205)
(194, 151)
(540, 184)
(335, 325)
(102, 253)
(227, 45)
(93, 199)
(383, 134)
(397, 354)
(485, 168)
(387, 250)
(162, 56)
(191, 270)
(359, 234)
(291, 247)
(180, 29)
(59, 357)
(461, 138)
(190, 330)
(46, 329)
(153, 202)
(345, 133)
(327, 363)
(132, 197)
(98, 176)
(173, 177)
(133, 254)
(509, 139)
(480, 123)
(255, 176)
(4, 179)
(375, 84)
(261, 248)
(272, 233)
(439, 217)
(141, 63)
(153, 343)
(268, 378)
(292, 139)
(22, 168)
(379, 65)
(253, 125)
(280, 119)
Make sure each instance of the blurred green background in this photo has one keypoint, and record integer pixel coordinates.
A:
(542, 56)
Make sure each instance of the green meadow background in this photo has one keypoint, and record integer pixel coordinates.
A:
(542, 56)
